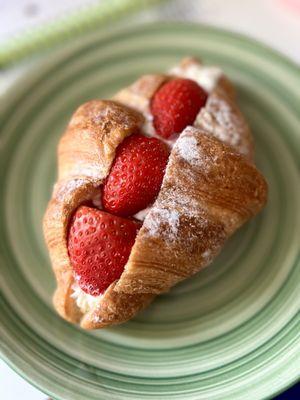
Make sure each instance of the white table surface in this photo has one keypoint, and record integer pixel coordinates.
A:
(275, 22)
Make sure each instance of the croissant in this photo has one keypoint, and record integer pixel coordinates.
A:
(210, 188)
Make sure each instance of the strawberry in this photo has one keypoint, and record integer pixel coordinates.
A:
(175, 105)
(136, 175)
(99, 245)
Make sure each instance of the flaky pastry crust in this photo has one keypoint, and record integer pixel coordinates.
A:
(85, 154)
(210, 188)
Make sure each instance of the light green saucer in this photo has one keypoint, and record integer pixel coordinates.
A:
(233, 331)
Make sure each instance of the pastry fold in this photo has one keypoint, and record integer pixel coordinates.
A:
(210, 188)
(208, 192)
(85, 154)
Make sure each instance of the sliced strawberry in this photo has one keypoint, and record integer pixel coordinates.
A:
(175, 106)
(136, 175)
(99, 246)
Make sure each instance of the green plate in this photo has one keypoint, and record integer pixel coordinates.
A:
(233, 331)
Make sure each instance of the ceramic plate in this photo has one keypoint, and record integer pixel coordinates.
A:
(233, 331)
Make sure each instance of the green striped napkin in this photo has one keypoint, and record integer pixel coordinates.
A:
(67, 27)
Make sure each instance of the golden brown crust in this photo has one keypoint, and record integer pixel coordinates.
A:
(221, 188)
(88, 146)
(67, 195)
(138, 96)
(114, 308)
(222, 118)
(208, 192)
(85, 153)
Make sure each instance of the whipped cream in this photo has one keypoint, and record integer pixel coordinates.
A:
(141, 215)
(84, 300)
(150, 132)
(206, 77)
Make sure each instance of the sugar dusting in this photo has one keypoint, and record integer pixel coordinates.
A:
(169, 218)
(179, 216)
(205, 76)
(66, 190)
(187, 148)
(166, 214)
(221, 119)
(180, 220)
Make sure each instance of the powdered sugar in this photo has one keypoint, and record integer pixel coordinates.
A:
(66, 190)
(224, 121)
(166, 217)
(188, 149)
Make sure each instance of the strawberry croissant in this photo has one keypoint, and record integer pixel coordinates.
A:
(150, 186)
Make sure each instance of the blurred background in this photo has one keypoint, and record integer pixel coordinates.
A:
(31, 29)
